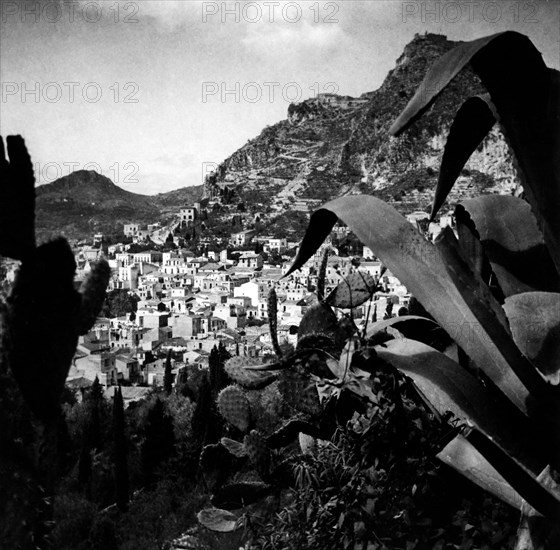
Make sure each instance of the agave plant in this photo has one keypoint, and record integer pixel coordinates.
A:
(494, 287)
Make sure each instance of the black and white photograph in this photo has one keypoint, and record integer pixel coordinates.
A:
(279, 275)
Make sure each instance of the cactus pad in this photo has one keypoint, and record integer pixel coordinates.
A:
(234, 407)
(318, 319)
(357, 288)
(218, 520)
(234, 447)
(308, 444)
(259, 452)
(300, 393)
(251, 379)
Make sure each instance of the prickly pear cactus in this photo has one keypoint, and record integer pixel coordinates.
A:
(218, 520)
(318, 329)
(44, 309)
(43, 306)
(250, 379)
(234, 407)
(17, 200)
(300, 393)
(357, 288)
(258, 452)
(234, 447)
(308, 444)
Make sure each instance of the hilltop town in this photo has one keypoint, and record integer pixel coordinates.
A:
(192, 268)
(164, 298)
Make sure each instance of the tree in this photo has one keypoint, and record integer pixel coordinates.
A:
(159, 440)
(168, 376)
(218, 377)
(91, 434)
(94, 402)
(119, 452)
(119, 302)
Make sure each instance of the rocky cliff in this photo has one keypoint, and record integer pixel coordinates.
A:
(333, 145)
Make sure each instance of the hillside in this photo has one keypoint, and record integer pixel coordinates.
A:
(86, 202)
(334, 145)
(327, 146)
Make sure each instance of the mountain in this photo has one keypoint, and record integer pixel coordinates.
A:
(85, 202)
(332, 145)
(327, 146)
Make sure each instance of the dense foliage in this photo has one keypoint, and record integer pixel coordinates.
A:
(119, 302)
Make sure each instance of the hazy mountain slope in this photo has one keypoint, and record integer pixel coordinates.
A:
(85, 202)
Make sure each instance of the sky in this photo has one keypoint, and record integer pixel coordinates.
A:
(154, 94)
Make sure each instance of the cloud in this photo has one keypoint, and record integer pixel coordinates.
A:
(302, 37)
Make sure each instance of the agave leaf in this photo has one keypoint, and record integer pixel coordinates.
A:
(470, 126)
(450, 388)
(416, 328)
(440, 74)
(356, 289)
(218, 520)
(442, 281)
(534, 318)
(491, 320)
(535, 492)
(536, 532)
(526, 97)
(470, 243)
(512, 242)
(463, 457)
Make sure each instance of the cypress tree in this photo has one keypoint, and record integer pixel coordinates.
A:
(159, 440)
(95, 400)
(223, 353)
(218, 376)
(168, 376)
(119, 452)
(213, 370)
(91, 434)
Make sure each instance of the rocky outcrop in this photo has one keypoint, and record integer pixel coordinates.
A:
(331, 145)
